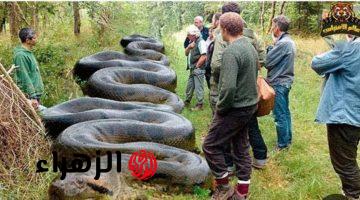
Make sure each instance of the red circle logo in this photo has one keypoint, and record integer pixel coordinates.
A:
(142, 164)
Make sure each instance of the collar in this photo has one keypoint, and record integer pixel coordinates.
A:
(282, 35)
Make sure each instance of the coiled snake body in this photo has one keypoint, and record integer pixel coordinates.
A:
(131, 107)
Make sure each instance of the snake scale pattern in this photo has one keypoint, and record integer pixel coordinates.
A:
(130, 105)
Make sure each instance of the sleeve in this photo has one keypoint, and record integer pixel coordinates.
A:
(276, 54)
(219, 47)
(186, 43)
(228, 77)
(328, 62)
(202, 47)
(261, 52)
(22, 76)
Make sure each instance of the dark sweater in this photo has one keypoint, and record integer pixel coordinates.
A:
(238, 73)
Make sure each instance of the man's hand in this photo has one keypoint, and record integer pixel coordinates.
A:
(191, 45)
(34, 103)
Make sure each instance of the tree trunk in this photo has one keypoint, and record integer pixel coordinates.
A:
(13, 20)
(273, 6)
(3, 25)
(35, 17)
(77, 22)
(282, 8)
(262, 16)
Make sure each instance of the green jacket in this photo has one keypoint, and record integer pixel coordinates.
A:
(238, 73)
(27, 76)
(220, 46)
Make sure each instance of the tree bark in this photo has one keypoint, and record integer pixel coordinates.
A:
(35, 17)
(13, 20)
(77, 22)
(262, 16)
(273, 6)
(282, 7)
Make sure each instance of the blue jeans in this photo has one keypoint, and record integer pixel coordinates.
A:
(282, 116)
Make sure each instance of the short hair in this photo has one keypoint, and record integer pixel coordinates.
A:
(199, 18)
(217, 16)
(26, 33)
(282, 22)
(231, 7)
(193, 30)
(232, 22)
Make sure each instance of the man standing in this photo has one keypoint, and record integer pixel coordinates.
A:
(199, 23)
(27, 75)
(339, 109)
(256, 140)
(280, 66)
(237, 103)
(196, 53)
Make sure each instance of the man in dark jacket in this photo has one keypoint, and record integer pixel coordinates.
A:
(27, 75)
(280, 66)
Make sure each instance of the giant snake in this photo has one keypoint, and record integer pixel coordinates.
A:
(131, 106)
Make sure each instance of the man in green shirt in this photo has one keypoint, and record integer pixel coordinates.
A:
(196, 54)
(27, 75)
(237, 104)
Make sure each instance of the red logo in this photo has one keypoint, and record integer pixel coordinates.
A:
(142, 164)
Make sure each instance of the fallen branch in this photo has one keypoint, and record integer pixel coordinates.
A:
(35, 116)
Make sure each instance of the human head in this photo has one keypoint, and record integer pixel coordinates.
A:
(28, 36)
(231, 25)
(231, 7)
(215, 20)
(280, 24)
(193, 33)
(199, 22)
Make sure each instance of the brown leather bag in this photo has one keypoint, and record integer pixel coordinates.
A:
(266, 97)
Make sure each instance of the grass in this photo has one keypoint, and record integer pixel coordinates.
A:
(303, 172)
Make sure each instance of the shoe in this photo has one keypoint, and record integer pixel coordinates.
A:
(349, 197)
(259, 164)
(278, 149)
(231, 170)
(238, 196)
(223, 193)
(197, 107)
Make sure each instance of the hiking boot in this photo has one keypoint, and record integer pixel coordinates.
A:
(259, 164)
(197, 107)
(240, 191)
(231, 170)
(223, 192)
(238, 196)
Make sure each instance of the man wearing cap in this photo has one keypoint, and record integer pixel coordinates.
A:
(196, 53)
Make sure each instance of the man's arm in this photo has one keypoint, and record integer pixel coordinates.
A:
(202, 49)
(219, 47)
(328, 62)
(228, 78)
(276, 54)
(201, 61)
(186, 42)
(23, 78)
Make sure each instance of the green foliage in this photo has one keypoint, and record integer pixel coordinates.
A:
(201, 193)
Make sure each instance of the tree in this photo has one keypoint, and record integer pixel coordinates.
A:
(77, 22)
(273, 6)
(13, 19)
(282, 7)
(262, 16)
